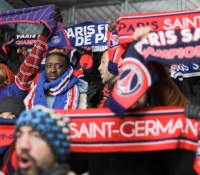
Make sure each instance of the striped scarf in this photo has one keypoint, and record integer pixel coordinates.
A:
(65, 89)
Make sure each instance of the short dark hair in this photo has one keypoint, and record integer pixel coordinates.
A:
(59, 51)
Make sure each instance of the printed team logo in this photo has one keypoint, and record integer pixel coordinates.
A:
(133, 77)
(56, 39)
(114, 39)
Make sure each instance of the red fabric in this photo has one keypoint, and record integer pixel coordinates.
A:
(31, 65)
(78, 73)
(11, 157)
(159, 21)
(141, 130)
(106, 93)
(86, 61)
(197, 158)
(115, 52)
(9, 73)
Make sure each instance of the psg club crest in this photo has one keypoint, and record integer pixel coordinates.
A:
(130, 80)
(114, 39)
(56, 39)
(133, 81)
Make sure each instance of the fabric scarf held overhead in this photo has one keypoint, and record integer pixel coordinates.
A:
(37, 15)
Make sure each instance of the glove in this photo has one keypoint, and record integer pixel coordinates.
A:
(192, 111)
(112, 25)
(83, 86)
(92, 90)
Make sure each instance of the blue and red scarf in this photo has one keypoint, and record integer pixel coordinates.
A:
(161, 21)
(180, 45)
(64, 89)
(37, 15)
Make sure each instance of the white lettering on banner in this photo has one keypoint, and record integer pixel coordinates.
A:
(98, 48)
(187, 35)
(102, 27)
(163, 38)
(141, 128)
(86, 40)
(188, 52)
(25, 36)
(100, 37)
(182, 23)
(84, 35)
(70, 33)
(92, 130)
(190, 127)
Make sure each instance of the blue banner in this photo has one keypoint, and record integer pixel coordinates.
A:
(88, 34)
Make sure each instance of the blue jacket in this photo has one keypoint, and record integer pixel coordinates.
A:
(13, 90)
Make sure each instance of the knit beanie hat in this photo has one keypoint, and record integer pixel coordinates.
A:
(53, 128)
(9, 73)
(15, 105)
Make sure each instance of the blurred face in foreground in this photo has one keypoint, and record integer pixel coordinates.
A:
(33, 153)
(106, 76)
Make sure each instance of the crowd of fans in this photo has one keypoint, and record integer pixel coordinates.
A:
(42, 136)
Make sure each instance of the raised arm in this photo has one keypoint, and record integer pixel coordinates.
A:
(31, 65)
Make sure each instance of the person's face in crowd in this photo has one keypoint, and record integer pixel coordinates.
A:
(3, 77)
(7, 115)
(55, 66)
(106, 76)
(33, 153)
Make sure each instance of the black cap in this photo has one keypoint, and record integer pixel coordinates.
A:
(15, 105)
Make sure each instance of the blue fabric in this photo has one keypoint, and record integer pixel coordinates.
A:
(93, 34)
(186, 71)
(147, 51)
(116, 107)
(11, 169)
(37, 15)
(43, 86)
(13, 90)
(179, 44)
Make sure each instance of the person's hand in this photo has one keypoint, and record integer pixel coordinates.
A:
(92, 90)
(57, 16)
(113, 25)
(192, 111)
(142, 32)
